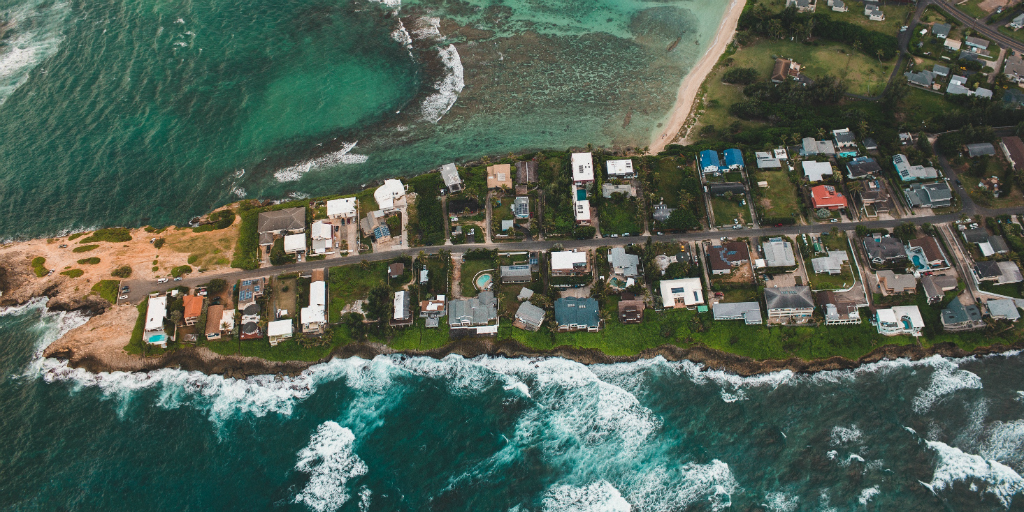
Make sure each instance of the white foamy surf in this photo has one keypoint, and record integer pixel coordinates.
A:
(342, 156)
(597, 497)
(331, 464)
(448, 88)
(946, 379)
(41, 38)
(956, 466)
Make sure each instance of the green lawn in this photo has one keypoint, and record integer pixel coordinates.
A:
(667, 179)
(500, 212)
(840, 281)
(619, 215)
(863, 74)
(1010, 290)
(107, 289)
(973, 9)
(726, 210)
(1018, 35)
(350, 283)
(1014, 198)
(469, 270)
(418, 337)
(779, 199)
(923, 106)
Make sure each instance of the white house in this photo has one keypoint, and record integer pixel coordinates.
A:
(314, 317)
(345, 209)
(582, 168)
(295, 244)
(565, 263)
(451, 178)
(621, 169)
(322, 236)
(681, 293)
(390, 195)
(279, 331)
(899, 320)
(156, 312)
(816, 171)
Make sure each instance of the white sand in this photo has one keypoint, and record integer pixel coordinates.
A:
(691, 84)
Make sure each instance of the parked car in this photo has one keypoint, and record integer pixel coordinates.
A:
(125, 289)
(834, 221)
(162, 280)
(177, 278)
(123, 297)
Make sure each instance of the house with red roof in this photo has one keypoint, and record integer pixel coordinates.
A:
(826, 196)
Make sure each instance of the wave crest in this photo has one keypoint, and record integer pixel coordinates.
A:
(331, 464)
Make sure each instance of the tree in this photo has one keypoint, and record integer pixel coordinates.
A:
(879, 53)
(378, 304)
(861, 230)
(216, 286)
(356, 327)
(682, 220)
(277, 254)
(906, 231)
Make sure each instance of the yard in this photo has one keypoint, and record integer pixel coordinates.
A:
(1018, 35)
(619, 215)
(833, 241)
(667, 179)
(980, 196)
(351, 283)
(501, 209)
(779, 199)
(922, 107)
(727, 210)
(470, 268)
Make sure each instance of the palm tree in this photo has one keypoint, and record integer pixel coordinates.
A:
(821, 133)
(879, 53)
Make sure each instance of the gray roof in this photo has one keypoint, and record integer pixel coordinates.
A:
(976, 41)
(288, 219)
(662, 212)
(982, 92)
(515, 271)
(618, 258)
(884, 248)
(575, 311)
(940, 70)
(530, 314)
(998, 244)
(750, 312)
(521, 206)
(981, 148)
(818, 147)
(778, 253)
(976, 235)
(526, 172)
(863, 166)
(957, 313)
(1010, 272)
(899, 283)
(934, 286)
(788, 297)
(831, 264)
(987, 269)
(1003, 308)
(941, 29)
(922, 78)
(478, 310)
(931, 195)
(450, 175)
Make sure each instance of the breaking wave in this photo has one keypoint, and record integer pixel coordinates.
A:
(946, 379)
(342, 156)
(597, 497)
(956, 466)
(30, 48)
(331, 464)
(448, 88)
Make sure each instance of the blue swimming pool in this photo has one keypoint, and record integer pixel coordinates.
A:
(483, 281)
(917, 262)
(159, 338)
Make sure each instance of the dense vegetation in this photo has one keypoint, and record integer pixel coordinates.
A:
(124, 272)
(89, 261)
(426, 218)
(107, 289)
(39, 266)
(72, 273)
(113, 235)
(218, 220)
(802, 27)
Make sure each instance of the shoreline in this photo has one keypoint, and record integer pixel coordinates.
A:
(686, 96)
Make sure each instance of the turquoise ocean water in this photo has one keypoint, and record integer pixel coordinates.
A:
(120, 112)
(418, 434)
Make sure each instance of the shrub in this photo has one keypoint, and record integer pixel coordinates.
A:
(124, 272)
(73, 273)
(216, 286)
(84, 248)
(277, 254)
(107, 289)
(192, 258)
(89, 261)
(74, 236)
(38, 266)
(584, 232)
(741, 76)
(247, 248)
(180, 270)
(218, 220)
(156, 268)
(108, 235)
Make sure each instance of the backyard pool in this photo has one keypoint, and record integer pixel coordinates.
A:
(483, 282)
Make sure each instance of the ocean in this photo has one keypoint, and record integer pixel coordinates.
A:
(493, 434)
(149, 112)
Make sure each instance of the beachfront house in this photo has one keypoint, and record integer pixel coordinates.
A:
(837, 311)
(345, 210)
(402, 309)
(499, 176)
(432, 310)
(1003, 309)
(153, 331)
(936, 286)
(733, 159)
(709, 163)
(526, 172)
(477, 315)
(529, 317)
(621, 169)
(577, 314)
(271, 225)
(582, 169)
(789, 304)
(450, 177)
(278, 331)
(899, 320)
(314, 316)
(681, 293)
(631, 309)
(749, 312)
(219, 322)
(193, 309)
(390, 196)
(959, 317)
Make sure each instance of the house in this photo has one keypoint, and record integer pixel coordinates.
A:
(952, 45)
(499, 176)
(569, 263)
(402, 311)
(621, 169)
(622, 263)
(826, 196)
(941, 30)
(345, 209)
(709, 161)
(280, 222)
(875, 194)
(784, 70)
(816, 171)
(862, 167)
(581, 205)
(193, 309)
(956, 86)
(1001, 272)
(837, 311)
(250, 330)
(1013, 149)
(1003, 309)
(894, 283)
(631, 310)
(982, 92)
(526, 172)
(516, 274)
(524, 294)
(766, 161)
(607, 189)
(976, 42)
(1013, 66)
(153, 330)
(733, 159)
(295, 244)
(529, 317)
(390, 196)
(433, 310)
(749, 312)
(906, 138)
(395, 270)
(372, 221)
(575, 314)
(662, 212)
(213, 318)
(838, 5)
(802, 5)
(936, 286)
(582, 169)
(987, 244)
(831, 264)
(722, 258)
(477, 315)
(920, 78)
(940, 70)
(789, 304)
(884, 249)
(845, 141)
(811, 147)
(931, 195)
(322, 237)
(681, 293)
(720, 189)
(927, 250)
(251, 289)
(778, 252)
(870, 144)
(957, 317)
(872, 11)
(899, 320)
(981, 149)
(1016, 23)
(278, 331)
(781, 153)
(909, 172)
(451, 178)
(314, 316)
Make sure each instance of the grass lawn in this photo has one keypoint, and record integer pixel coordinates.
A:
(619, 215)
(1018, 35)
(973, 9)
(863, 74)
(350, 283)
(469, 271)
(1010, 290)
(923, 106)
(418, 337)
(667, 179)
(107, 289)
(726, 210)
(500, 212)
(839, 281)
(780, 199)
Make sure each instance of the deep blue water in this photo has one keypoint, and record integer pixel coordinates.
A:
(497, 435)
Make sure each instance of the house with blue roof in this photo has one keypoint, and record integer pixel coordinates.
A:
(575, 314)
(709, 162)
(734, 159)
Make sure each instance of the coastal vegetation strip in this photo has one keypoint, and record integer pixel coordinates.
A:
(85, 248)
(107, 289)
(39, 266)
(113, 235)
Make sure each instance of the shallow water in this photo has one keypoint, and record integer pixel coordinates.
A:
(125, 113)
(494, 434)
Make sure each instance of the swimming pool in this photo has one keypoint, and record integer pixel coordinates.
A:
(159, 338)
(483, 281)
(918, 264)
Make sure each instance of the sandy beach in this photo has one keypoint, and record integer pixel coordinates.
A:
(691, 84)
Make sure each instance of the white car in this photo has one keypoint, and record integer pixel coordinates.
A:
(123, 297)
(162, 280)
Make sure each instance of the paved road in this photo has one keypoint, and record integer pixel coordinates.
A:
(990, 33)
(903, 38)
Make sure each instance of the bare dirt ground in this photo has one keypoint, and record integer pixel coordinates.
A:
(990, 5)
(103, 337)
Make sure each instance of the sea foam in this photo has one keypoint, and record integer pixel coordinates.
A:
(781, 502)
(597, 497)
(448, 88)
(342, 156)
(956, 466)
(946, 379)
(38, 33)
(331, 464)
